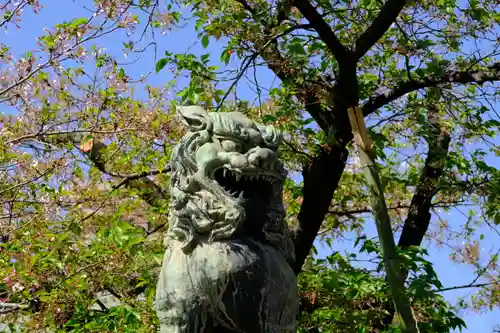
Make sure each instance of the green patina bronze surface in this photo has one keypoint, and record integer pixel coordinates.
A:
(228, 249)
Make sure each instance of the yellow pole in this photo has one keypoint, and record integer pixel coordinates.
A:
(382, 220)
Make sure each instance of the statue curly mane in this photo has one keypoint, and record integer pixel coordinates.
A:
(201, 210)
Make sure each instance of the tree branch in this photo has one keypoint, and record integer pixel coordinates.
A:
(478, 76)
(380, 25)
(322, 175)
(6, 308)
(363, 210)
(13, 306)
(419, 215)
(465, 286)
(323, 29)
(307, 93)
(321, 179)
(149, 191)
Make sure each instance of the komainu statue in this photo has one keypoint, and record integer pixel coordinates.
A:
(227, 265)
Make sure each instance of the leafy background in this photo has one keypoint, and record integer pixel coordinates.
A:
(75, 232)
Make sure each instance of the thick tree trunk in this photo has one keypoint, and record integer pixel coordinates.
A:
(321, 179)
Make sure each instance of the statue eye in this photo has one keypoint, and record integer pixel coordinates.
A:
(232, 146)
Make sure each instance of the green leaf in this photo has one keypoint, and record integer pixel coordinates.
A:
(80, 21)
(268, 118)
(160, 64)
(297, 47)
(225, 56)
(205, 40)
(204, 57)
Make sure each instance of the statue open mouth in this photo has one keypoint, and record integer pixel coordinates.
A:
(245, 186)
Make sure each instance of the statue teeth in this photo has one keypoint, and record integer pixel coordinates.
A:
(238, 177)
(225, 172)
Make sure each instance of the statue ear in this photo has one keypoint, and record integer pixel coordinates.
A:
(195, 117)
(270, 135)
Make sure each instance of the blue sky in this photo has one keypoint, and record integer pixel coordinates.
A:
(179, 41)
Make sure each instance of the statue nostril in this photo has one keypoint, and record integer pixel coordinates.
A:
(255, 159)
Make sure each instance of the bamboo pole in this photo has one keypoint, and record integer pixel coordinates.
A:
(382, 220)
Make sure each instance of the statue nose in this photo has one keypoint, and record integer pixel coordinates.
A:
(261, 157)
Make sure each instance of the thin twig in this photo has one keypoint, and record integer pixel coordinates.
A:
(478, 285)
(90, 131)
(81, 269)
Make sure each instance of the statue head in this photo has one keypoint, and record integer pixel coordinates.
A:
(226, 181)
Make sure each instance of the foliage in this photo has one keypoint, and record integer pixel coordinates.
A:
(85, 143)
(338, 297)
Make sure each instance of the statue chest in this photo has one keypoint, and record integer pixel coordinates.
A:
(229, 281)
